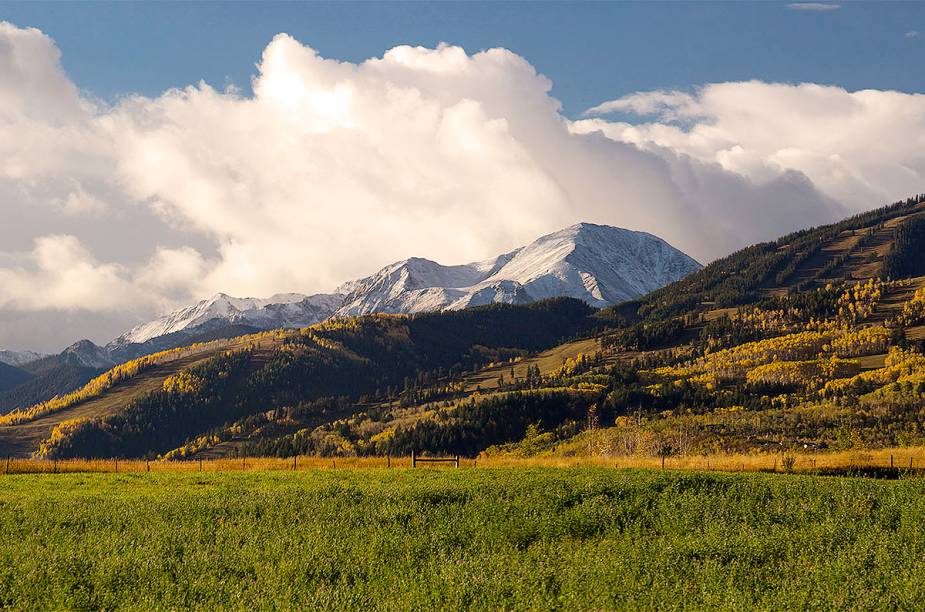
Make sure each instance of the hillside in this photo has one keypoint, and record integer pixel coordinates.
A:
(598, 264)
(22, 436)
(55, 375)
(811, 341)
(11, 376)
(639, 371)
(158, 404)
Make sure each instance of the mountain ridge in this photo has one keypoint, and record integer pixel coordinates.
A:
(20, 358)
(783, 318)
(599, 264)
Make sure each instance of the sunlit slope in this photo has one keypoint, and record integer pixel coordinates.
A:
(481, 384)
(23, 438)
(857, 248)
(354, 360)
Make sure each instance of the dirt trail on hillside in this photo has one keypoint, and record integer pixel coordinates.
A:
(22, 440)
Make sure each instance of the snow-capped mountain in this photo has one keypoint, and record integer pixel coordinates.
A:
(599, 264)
(19, 358)
(416, 285)
(281, 310)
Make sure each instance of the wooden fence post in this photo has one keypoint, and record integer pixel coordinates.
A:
(891, 462)
(414, 460)
(457, 461)
(56, 466)
(117, 465)
(200, 465)
(388, 461)
(147, 466)
(295, 458)
(333, 463)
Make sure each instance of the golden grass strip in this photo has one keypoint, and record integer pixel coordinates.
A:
(899, 457)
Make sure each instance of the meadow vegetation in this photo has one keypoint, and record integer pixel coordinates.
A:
(583, 538)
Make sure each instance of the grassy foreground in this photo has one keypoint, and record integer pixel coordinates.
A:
(496, 538)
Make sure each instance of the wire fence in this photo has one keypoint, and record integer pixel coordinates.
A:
(884, 462)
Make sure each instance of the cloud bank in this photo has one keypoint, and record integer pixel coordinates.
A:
(333, 169)
(859, 148)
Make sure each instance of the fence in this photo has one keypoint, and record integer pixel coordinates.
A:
(415, 460)
(905, 460)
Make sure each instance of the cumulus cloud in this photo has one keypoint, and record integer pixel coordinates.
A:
(58, 273)
(333, 169)
(858, 148)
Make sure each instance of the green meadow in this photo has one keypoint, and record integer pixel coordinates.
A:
(583, 538)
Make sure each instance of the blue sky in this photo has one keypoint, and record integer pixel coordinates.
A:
(591, 51)
(727, 124)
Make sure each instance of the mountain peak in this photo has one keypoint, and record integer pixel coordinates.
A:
(599, 264)
(86, 354)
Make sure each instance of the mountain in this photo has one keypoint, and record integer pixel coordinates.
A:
(11, 376)
(827, 322)
(86, 354)
(19, 358)
(56, 375)
(281, 310)
(598, 264)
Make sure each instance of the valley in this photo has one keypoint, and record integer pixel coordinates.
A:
(439, 306)
(804, 343)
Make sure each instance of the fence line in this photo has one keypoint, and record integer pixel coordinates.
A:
(905, 460)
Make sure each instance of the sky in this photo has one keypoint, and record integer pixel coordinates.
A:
(152, 154)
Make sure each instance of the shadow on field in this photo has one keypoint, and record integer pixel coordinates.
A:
(869, 471)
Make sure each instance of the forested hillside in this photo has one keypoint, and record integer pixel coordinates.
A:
(368, 356)
(813, 340)
(802, 326)
(44, 379)
(11, 377)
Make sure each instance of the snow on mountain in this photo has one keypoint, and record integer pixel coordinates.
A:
(281, 310)
(19, 358)
(86, 354)
(599, 264)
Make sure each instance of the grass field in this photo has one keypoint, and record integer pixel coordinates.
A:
(586, 538)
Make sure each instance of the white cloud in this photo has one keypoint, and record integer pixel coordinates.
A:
(859, 148)
(813, 6)
(912, 34)
(58, 273)
(672, 105)
(79, 202)
(333, 169)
